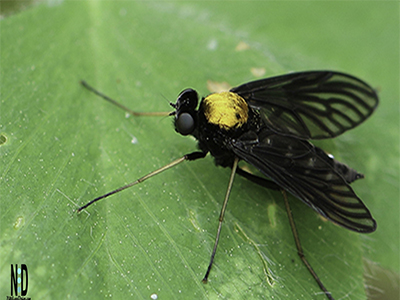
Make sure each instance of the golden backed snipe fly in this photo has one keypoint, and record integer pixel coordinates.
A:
(269, 123)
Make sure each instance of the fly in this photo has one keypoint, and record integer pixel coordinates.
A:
(269, 123)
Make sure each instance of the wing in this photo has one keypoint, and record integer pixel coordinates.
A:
(309, 174)
(310, 105)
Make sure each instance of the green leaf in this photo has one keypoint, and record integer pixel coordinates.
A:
(61, 146)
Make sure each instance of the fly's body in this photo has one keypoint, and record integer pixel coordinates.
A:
(269, 124)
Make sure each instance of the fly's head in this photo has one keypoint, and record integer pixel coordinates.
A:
(185, 112)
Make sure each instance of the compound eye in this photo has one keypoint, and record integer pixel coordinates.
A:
(184, 124)
(187, 100)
